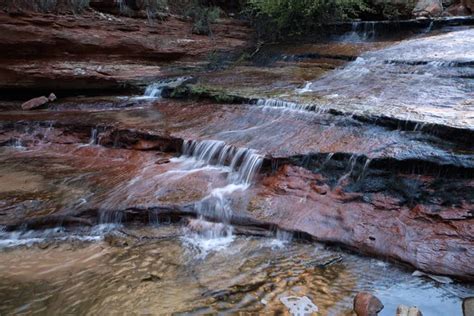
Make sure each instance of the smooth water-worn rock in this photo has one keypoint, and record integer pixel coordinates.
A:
(366, 304)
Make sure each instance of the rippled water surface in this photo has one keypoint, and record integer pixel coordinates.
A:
(168, 270)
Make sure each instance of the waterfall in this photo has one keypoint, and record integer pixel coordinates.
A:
(243, 164)
(154, 90)
(275, 103)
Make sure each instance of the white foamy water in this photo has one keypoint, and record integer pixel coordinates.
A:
(154, 90)
(60, 234)
(243, 164)
(204, 237)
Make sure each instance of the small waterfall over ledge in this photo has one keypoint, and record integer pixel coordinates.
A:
(243, 164)
(155, 89)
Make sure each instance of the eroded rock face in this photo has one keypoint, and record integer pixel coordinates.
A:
(96, 51)
(432, 237)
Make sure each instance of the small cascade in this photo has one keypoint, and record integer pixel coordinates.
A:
(275, 103)
(364, 169)
(93, 140)
(111, 217)
(429, 28)
(305, 89)
(369, 31)
(351, 165)
(360, 32)
(243, 165)
(154, 90)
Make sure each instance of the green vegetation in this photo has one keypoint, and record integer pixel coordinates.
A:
(278, 18)
(76, 6)
(153, 8)
(202, 17)
(203, 92)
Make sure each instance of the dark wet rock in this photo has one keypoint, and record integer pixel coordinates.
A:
(116, 239)
(49, 222)
(162, 161)
(403, 310)
(366, 304)
(35, 103)
(468, 306)
(456, 10)
(141, 140)
(151, 277)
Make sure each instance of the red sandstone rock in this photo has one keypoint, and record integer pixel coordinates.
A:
(469, 4)
(366, 304)
(456, 10)
(433, 238)
(94, 51)
(35, 103)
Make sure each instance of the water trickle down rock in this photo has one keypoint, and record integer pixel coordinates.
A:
(242, 163)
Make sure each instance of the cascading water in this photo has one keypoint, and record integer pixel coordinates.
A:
(154, 90)
(415, 79)
(243, 164)
(292, 106)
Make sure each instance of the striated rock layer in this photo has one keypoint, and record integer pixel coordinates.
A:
(96, 51)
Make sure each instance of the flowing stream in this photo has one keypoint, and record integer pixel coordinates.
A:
(148, 205)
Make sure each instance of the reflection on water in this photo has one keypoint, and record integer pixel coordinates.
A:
(161, 273)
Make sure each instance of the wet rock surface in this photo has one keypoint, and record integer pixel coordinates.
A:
(365, 304)
(179, 182)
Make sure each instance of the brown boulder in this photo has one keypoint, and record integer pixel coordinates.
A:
(35, 103)
(366, 304)
(456, 10)
(428, 8)
(469, 4)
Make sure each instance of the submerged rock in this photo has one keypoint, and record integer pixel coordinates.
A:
(366, 304)
(403, 310)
